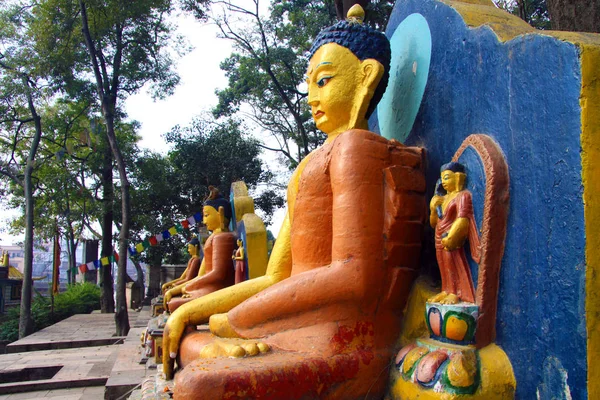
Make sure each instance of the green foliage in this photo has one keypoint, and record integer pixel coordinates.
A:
(534, 12)
(77, 299)
(266, 71)
(167, 189)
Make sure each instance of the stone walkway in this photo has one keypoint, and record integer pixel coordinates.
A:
(81, 330)
(78, 368)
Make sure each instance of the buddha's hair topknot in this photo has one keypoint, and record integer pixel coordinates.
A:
(216, 200)
(364, 42)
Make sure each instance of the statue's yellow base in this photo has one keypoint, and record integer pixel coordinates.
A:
(497, 381)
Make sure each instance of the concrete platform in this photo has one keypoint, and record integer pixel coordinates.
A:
(127, 372)
(81, 330)
(77, 368)
(83, 367)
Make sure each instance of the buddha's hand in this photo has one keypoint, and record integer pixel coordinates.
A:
(171, 336)
(435, 202)
(167, 298)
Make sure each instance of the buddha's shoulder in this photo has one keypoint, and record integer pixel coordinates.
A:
(359, 142)
(362, 142)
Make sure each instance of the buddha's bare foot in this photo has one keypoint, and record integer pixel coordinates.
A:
(438, 297)
(451, 298)
(236, 348)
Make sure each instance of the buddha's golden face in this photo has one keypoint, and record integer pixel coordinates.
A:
(452, 181)
(192, 249)
(211, 218)
(333, 78)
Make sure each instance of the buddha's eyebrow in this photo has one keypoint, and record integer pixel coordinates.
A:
(310, 71)
(323, 63)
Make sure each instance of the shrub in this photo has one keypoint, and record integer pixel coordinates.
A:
(80, 298)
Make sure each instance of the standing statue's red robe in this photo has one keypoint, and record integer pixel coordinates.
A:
(454, 267)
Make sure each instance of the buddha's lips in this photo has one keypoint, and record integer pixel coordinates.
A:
(319, 114)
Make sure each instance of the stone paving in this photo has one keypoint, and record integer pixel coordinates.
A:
(81, 330)
(86, 367)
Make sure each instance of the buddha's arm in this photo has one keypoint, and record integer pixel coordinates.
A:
(176, 281)
(433, 215)
(457, 234)
(193, 269)
(199, 310)
(178, 290)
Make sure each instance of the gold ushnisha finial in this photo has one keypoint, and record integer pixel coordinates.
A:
(356, 14)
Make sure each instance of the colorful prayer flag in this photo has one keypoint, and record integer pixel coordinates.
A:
(97, 264)
(159, 237)
(179, 228)
(166, 235)
(185, 224)
(139, 247)
(191, 220)
(132, 251)
(173, 231)
(83, 268)
(153, 241)
(198, 217)
(90, 266)
(104, 261)
(146, 243)
(116, 256)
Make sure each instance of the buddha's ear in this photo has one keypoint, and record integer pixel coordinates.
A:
(222, 216)
(372, 72)
(461, 178)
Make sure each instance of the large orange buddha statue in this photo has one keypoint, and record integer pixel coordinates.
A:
(328, 310)
(216, 271)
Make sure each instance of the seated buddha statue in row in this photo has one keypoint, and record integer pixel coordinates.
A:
(193, 266)
(323, 320)
(216, 271)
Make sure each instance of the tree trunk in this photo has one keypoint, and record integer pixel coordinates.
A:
(107, 302)
(140, 277)
(574, 15)
(71, 248)
(121, 316)
(25, 320)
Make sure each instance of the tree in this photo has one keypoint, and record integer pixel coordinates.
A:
(575, 15)
(121, 45)
(214, 153)
(22, 91)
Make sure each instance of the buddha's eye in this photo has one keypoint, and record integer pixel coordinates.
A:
(323, 81)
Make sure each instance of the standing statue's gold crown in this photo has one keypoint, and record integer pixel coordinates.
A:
(356, 14)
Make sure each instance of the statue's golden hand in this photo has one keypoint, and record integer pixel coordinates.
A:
(435, 201)
(167, 298)
(172, 334)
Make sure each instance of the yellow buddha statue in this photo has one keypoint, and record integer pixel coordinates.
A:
(193, 266)
(323, 320)
(216, 271)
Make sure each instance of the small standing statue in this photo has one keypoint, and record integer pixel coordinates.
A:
(240, 262)
(452, 217)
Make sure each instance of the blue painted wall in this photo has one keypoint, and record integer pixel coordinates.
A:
(525, 94)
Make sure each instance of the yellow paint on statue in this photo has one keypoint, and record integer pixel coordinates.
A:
(338, 105)
(590, 173)
(496, 376)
